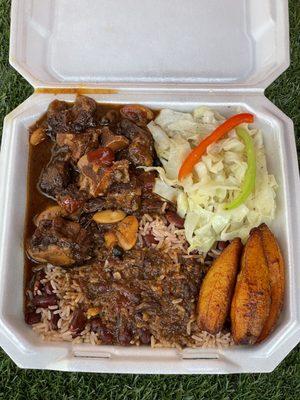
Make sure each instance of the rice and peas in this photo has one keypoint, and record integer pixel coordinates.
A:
(64, 283)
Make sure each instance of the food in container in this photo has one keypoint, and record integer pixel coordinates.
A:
(254, 52)
(113, 263)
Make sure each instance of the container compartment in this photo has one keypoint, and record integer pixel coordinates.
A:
(26, 348)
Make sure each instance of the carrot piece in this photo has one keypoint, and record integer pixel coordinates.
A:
(217, 134)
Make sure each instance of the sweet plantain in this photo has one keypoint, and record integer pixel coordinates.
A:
(251, 302)
(277, 282)
(217, 289)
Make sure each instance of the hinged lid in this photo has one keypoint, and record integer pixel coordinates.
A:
(150, 43)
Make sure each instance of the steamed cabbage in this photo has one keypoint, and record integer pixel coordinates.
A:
(216, 180)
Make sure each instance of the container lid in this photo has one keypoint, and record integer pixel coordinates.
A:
(150, 43)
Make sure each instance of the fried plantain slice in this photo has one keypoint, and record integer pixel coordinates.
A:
(277, 280)
(217, 289)
(251, 301)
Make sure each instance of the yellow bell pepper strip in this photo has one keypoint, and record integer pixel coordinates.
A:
(196, 154)
(248, 184)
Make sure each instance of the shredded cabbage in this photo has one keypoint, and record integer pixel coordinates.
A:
(216, 180)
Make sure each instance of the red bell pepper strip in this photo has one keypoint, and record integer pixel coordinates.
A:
(217, 134)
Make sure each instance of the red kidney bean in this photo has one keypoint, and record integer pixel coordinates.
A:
(150, 239)
(222, 245)
(125, 336)
(42, 274)
(37, 285)
(32, 317)
(104, 334)
(78, 321)
(145, 336)
(174, 219)
(48, 288)
(96, 325)
(54, 320)
(101, 156)
(44, 300)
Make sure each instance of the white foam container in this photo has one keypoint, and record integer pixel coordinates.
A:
(166, 53)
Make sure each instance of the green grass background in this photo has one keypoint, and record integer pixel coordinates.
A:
(283, 383)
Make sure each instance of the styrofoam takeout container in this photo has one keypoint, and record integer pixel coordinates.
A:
(162, 53)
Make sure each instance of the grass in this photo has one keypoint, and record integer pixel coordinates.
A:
(283, 383)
